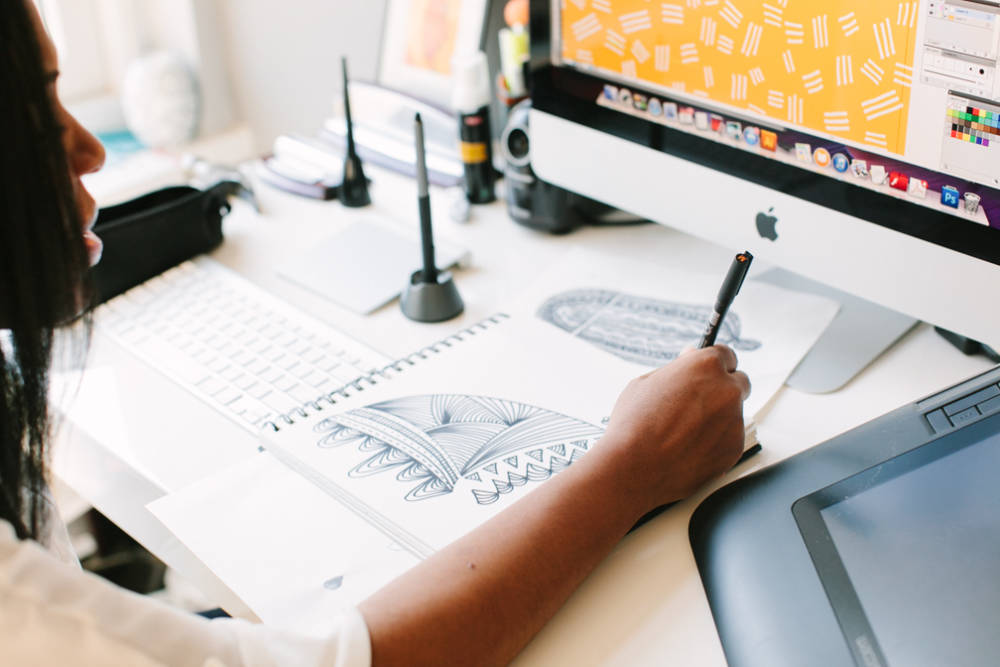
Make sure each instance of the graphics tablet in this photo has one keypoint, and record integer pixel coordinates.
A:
(879, 547)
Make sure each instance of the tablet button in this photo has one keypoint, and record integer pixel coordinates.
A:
(965, 416)
(967, 402)
(938, 421)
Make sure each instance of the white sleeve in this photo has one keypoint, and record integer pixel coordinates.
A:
(52, 613)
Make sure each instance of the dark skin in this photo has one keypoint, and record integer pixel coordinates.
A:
(481, 600)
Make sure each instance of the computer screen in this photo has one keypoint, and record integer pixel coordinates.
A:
(885, 112)
(907, 552)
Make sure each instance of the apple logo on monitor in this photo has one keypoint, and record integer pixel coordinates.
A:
(766, 225)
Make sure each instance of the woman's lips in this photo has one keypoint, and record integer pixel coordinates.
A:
(94, 246)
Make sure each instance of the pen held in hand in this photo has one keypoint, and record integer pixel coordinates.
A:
(727, 293)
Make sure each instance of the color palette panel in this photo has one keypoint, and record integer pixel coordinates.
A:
(975, 126)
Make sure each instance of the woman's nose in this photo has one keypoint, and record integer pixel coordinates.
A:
(86, 153)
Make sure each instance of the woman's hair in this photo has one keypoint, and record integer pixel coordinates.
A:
(43, 263)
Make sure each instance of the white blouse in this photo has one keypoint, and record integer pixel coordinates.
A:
(53, 613)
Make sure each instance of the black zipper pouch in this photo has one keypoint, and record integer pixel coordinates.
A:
(148, 235)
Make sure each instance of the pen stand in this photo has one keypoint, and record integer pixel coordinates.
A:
(431, 302)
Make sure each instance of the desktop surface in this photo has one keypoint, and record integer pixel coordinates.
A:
(138, 435)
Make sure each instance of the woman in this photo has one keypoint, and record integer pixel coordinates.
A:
(479, 601)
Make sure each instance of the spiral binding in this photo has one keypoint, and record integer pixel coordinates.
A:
(359, 384)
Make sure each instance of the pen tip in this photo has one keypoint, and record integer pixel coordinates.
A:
(416, 118)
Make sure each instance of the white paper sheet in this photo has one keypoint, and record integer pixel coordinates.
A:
(647, 313)
(292, 553)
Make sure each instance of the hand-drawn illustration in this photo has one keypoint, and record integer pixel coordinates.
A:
(333, 583)
(433, 441)
(638, 329)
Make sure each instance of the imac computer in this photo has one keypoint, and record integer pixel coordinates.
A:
(856, 144)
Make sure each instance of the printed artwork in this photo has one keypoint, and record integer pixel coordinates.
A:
(840, 67)
(638, 329)
(432, 442)
(430, 41)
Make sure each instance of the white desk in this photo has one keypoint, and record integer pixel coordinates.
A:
(645, 603)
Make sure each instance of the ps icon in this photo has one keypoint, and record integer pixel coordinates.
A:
(767, 225)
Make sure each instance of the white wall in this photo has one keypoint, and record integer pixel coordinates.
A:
(283, 58)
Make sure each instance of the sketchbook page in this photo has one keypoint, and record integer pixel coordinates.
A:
(447, 443)
(644, 314)
(294, 555)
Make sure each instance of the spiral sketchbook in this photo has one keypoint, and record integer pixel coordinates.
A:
(434, 444)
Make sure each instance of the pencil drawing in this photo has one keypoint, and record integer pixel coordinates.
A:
(432, 442)
(638, 329)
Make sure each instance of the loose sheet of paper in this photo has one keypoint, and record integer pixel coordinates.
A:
(647, 313)
(294, 555)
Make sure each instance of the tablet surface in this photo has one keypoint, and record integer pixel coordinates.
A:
(908, 551)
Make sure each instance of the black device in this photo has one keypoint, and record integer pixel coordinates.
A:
(535, 203)
(727, 293)
(354, 187)
(145, 236)
(880, 546)
(430, 295)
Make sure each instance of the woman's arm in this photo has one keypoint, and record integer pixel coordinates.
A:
(481, 599)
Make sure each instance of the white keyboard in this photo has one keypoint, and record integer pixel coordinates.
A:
(232, 343)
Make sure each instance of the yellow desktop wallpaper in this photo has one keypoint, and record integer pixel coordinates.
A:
(841, 66)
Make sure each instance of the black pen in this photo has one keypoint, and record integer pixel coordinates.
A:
(730, 288)
(424, 202)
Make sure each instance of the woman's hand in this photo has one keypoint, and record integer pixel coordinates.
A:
(676, 427)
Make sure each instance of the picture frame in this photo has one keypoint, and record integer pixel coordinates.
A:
(420, 39)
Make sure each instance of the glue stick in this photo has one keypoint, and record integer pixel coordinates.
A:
(471, 100)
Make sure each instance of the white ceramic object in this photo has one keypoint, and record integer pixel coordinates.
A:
(161, 100)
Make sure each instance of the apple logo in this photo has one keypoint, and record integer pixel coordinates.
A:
(766, 225)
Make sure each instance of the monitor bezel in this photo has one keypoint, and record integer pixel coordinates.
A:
(570, 94)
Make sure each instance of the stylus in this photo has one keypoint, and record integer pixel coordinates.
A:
(727, 293)
(424, 201)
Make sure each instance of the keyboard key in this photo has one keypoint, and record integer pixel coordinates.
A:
(303, 371)
(259, 391)
(227, 395)
(246, 382)
(284, 382)
(233, 374)
(280, 403)
(211, 385)
(303, 393)
(270, 374)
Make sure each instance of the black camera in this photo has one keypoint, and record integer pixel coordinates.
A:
(533, 202)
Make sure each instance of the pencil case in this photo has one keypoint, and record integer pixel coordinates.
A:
(152, 233)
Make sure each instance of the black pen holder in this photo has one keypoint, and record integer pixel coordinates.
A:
(431, 301)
